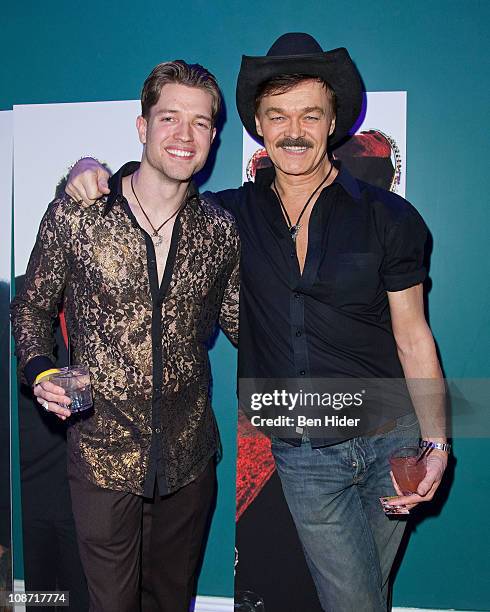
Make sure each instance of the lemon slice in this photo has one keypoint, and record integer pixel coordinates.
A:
(43, 375)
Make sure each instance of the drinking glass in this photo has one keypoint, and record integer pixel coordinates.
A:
(407, 469)
(75, 380)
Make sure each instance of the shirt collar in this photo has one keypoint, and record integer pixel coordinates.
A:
(345, 179)
(115, 185)
(265, 176)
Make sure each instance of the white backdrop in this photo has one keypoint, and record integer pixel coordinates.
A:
(5, 193)
(48, 139)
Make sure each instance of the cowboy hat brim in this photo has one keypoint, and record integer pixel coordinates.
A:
(335, 67)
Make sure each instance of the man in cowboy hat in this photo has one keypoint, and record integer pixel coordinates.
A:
(331, 287)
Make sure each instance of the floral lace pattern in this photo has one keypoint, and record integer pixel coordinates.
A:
(97, 264)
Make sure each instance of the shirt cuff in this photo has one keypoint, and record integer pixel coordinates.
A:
(399, 282)
(35, 366)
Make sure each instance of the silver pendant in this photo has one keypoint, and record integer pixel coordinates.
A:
(294, 231)
(157, 239)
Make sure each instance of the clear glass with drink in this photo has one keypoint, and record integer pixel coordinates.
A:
(408, 468)
(75, 380)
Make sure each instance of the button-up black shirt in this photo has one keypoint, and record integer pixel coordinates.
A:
(333, 320)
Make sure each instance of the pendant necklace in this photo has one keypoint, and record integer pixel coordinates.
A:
(157, 239)
(294, 229)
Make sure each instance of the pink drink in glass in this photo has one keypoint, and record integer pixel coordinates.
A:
(408, 472)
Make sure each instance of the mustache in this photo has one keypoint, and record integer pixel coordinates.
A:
(295, 142)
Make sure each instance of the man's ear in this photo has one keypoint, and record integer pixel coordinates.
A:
(257, 126)
(332, 127)
(141, 125)
(213, 134)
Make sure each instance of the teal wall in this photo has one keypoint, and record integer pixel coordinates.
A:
(437, 51)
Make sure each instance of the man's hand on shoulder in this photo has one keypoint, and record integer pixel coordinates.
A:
(88, 181)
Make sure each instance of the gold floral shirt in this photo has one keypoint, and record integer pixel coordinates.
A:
(146, 345)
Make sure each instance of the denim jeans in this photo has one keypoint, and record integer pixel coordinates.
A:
(333, 494)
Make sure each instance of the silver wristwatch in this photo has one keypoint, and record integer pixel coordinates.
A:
(444, 446)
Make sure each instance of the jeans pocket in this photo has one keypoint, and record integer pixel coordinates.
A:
(279, 443)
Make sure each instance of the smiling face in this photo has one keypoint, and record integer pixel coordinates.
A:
(295, 126)
(178, 132)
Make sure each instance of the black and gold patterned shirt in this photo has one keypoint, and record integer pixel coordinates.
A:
(146, 345)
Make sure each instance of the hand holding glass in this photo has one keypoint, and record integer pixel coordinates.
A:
(75, 380)
(407, 469)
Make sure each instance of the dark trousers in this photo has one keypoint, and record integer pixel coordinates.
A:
(134, 549)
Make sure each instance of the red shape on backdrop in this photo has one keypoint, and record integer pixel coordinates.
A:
(64, 329)
(371, 143)
(255, 464)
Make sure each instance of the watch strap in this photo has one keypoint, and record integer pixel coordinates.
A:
(444, 446)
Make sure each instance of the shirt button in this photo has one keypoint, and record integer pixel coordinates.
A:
(298, 334)
(157, 430)
(297, 295)
(302, 373)
(354, 464)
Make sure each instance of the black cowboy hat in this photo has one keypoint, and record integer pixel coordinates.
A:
(297, 53)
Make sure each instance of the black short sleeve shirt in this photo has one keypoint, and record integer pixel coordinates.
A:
(334, 319)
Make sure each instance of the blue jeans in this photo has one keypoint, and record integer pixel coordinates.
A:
(333, 494)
